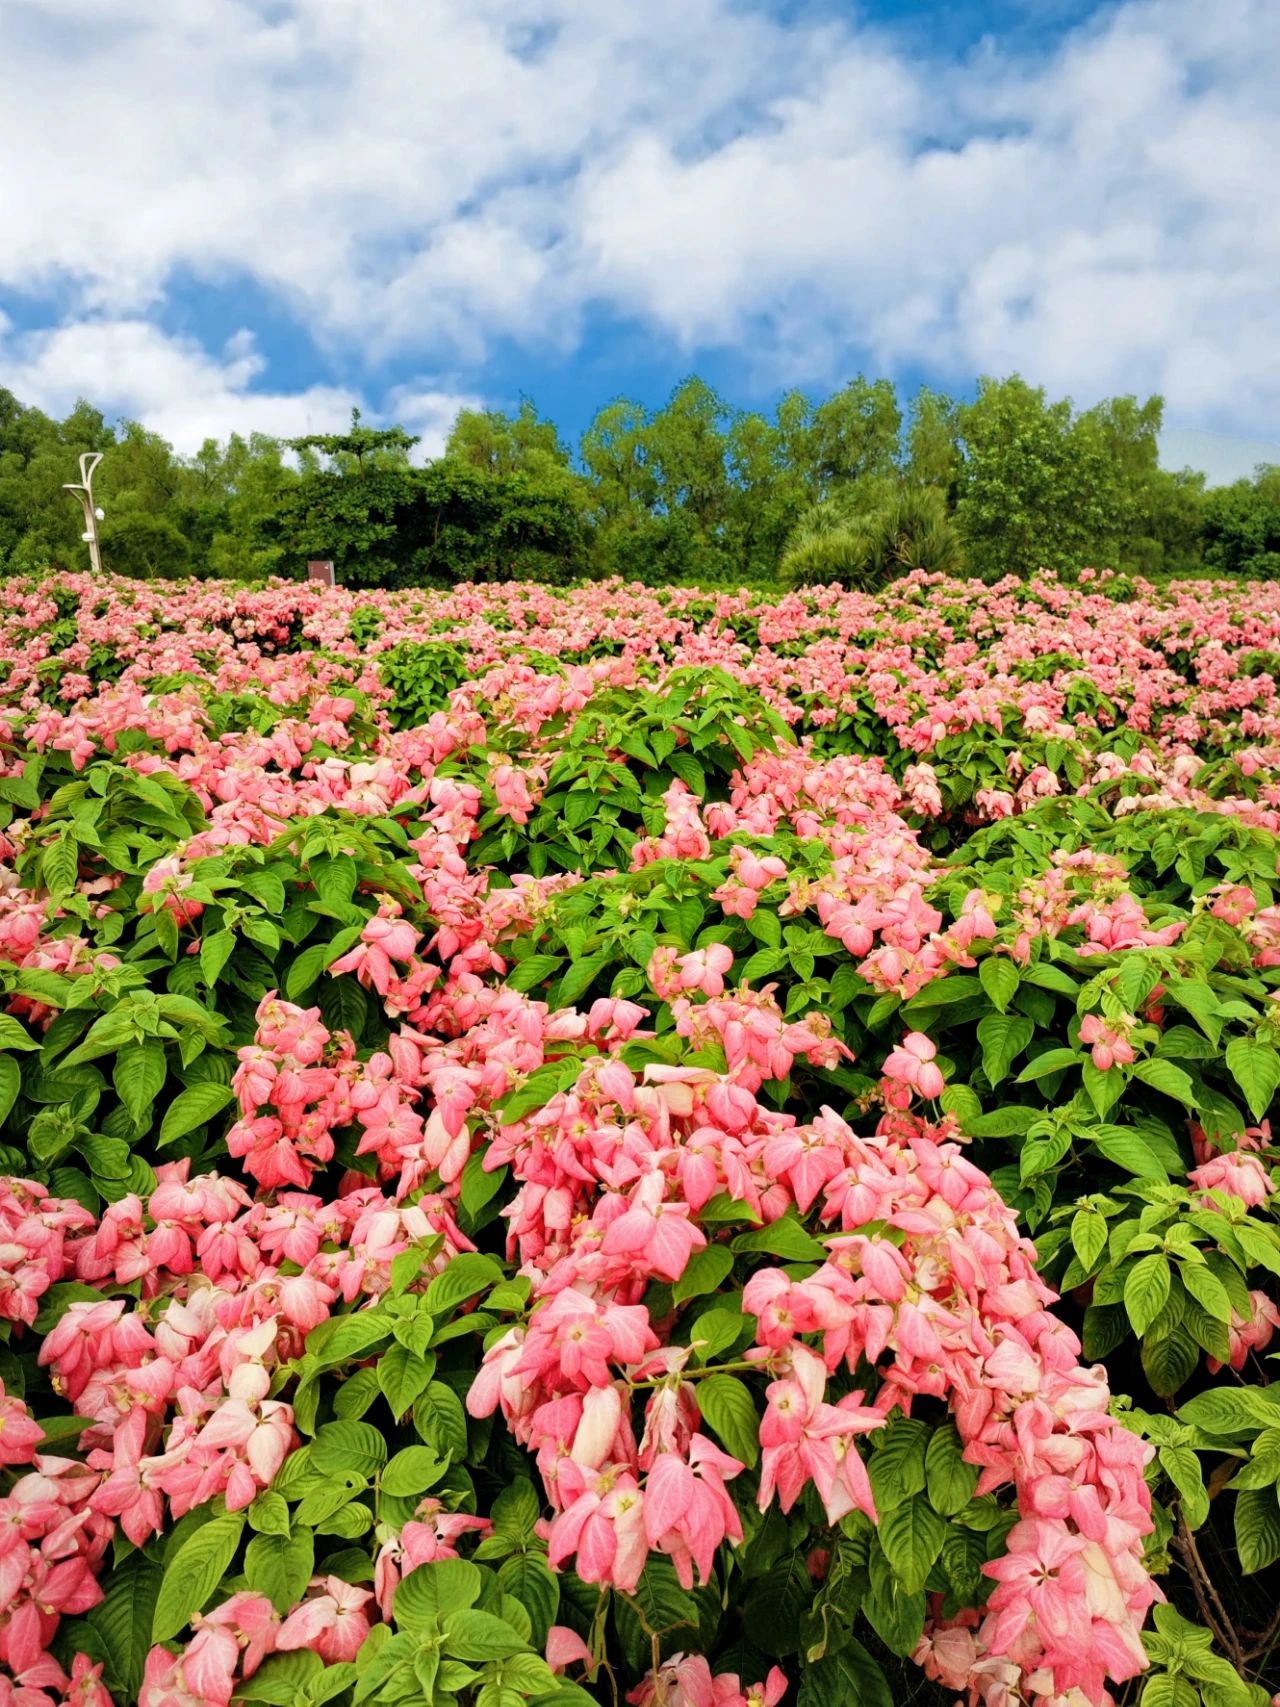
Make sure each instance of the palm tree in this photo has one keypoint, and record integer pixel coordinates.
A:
(909, 528)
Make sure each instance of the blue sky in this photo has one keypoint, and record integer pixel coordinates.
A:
(228, 214)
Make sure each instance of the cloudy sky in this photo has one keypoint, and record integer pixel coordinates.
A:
(224, 214)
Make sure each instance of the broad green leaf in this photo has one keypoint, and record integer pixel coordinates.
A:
(193, 1107)
(704, 1272)
(412, 1471)
(348, 1445)
(138, 1075)
(402, 1375)
(1146, 1290)
(123, 1620)
(467, 1273)
(911, 1536)
(949, 1479)
(1000, 980)
(431, 1592)
(194, 1572)
(847, 1678)
(1003, 1038)
(727, 1406)
(473, 1635)
(1255, 1067)
(1257, 1529)
(1088, 1237)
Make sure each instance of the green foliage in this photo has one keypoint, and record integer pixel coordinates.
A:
(694, 491)
(904, 527)
(1242, 526)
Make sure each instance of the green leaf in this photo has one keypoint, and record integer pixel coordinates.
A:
(138, 1076)
(306, 968)
(949, 1479)
(1000, 979)
(473, 1635)
(1257, 1529)
(1003, 1038)
(1104, 1089)
(580, 977)
(269, 1514)
(715, 1330)
(847, 1678)
(402, 1376)
(911, 1535)
(897, 1463)
(60, 867)
(1162, 1689)
(704, 1272)
(784, 1238)
(194, 1572)
(530, 1580)
(1182, 1467)
(430, 1593)
(215, 951)
(1169, 1080)
(412, 1471)
(10, 1085)
(280, 1566)
(533, 970)
(895, 1613)
(1205, 1287)
(343, 1338)
(1051, 1061)
(1146, 1290)
(357, 1447)
(468, 1273)
(266, 887)
(776, 1602)
(1230, 1411)
(1128, 1149)
(440, 1419)
(285, 1680)
(1088, 1237)
(123, 1620)
(1255, 1067)
(193, 1107)
(15, 1036)
(726, 1404)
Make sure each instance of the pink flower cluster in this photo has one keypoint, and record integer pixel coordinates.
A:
(52, 1543)
(612, 1174)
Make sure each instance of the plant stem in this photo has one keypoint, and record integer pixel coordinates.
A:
(1211, 1607)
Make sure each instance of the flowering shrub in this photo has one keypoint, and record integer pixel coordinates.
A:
(523, 1118)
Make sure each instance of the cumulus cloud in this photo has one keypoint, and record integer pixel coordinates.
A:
(130, 368)
(416, 179)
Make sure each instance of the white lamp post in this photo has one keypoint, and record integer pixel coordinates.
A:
(84, 492)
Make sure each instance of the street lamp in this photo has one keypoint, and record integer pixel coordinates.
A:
(84, 492)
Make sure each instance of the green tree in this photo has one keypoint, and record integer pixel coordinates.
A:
(497, 443)
(851, 437)
(146, 546)
(766, 497)
(1040, 487)
(908, 528)
(1242, 526)
(360, 450)
(933, 443)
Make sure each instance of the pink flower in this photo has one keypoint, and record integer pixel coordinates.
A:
(332, 1623)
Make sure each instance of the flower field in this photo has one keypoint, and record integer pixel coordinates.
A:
(564, 1147)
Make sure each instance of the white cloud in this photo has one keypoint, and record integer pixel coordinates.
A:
(429, 414)
(129, 368)
(415, 178)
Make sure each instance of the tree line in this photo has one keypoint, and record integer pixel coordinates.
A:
(853, 488)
